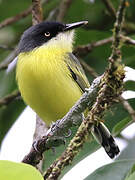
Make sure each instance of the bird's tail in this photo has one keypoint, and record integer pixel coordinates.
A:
(104, 137)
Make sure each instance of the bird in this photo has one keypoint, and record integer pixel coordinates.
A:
(50, 78)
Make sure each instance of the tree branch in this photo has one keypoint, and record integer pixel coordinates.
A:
(128, 107)
(8, 59)
(129, 27)
(3, 66)
(89, 69)
(82, 50)
(127, 40)
(36, 9)
(6, 48)
(110, 88)
(37, 14)
(9, 98)
(109, 91)
(16, 18)
(61, 126)
(110, 7)
(52, 14)
(37, 17)
(19, 16)
(63, 8)
(85, 49)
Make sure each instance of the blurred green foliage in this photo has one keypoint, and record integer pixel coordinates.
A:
(116, 170)
(100, 27)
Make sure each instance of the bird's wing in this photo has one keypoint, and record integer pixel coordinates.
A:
(77, 72)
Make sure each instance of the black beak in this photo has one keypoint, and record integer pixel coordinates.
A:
(74, 25)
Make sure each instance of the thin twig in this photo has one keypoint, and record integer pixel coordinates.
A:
(9, 98)
(89, 69)
(13, 54)
(53, 14)
(116, 35)
(63, 8)
(19, 16)
(3, 66)
(128, 107)
(85, 49)
(127, 40)
(16, 18)
(127, 26)
(37, 14)
(6, 48)
(110, 7)
(8, 59)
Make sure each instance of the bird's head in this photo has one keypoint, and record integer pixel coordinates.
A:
(47, 33)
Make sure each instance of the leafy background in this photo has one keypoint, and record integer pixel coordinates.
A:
(100, 27)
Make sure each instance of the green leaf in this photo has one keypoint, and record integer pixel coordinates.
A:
(7, 82)
(130, 85)
(18, 171)
(130, 172)
(116, 170)
(117, 114)
(9, 113)
(131, 177)
(121, 125)
(129, 151)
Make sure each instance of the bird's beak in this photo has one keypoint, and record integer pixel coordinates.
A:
(74, 25)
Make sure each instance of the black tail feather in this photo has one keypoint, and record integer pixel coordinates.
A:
(104, 137)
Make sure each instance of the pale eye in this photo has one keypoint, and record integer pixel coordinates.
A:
(47, 34)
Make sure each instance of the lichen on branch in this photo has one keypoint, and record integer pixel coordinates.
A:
(110, 88)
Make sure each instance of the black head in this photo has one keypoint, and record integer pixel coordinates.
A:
(39, 34)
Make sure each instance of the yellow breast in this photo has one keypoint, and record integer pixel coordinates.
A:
(45, 83)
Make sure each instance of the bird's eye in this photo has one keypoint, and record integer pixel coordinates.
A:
(47, 34)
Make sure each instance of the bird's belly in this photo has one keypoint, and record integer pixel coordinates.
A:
(47, 88)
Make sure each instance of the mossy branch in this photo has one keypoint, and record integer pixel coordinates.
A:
(56, 132)
(110, 85)
(110, 88)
